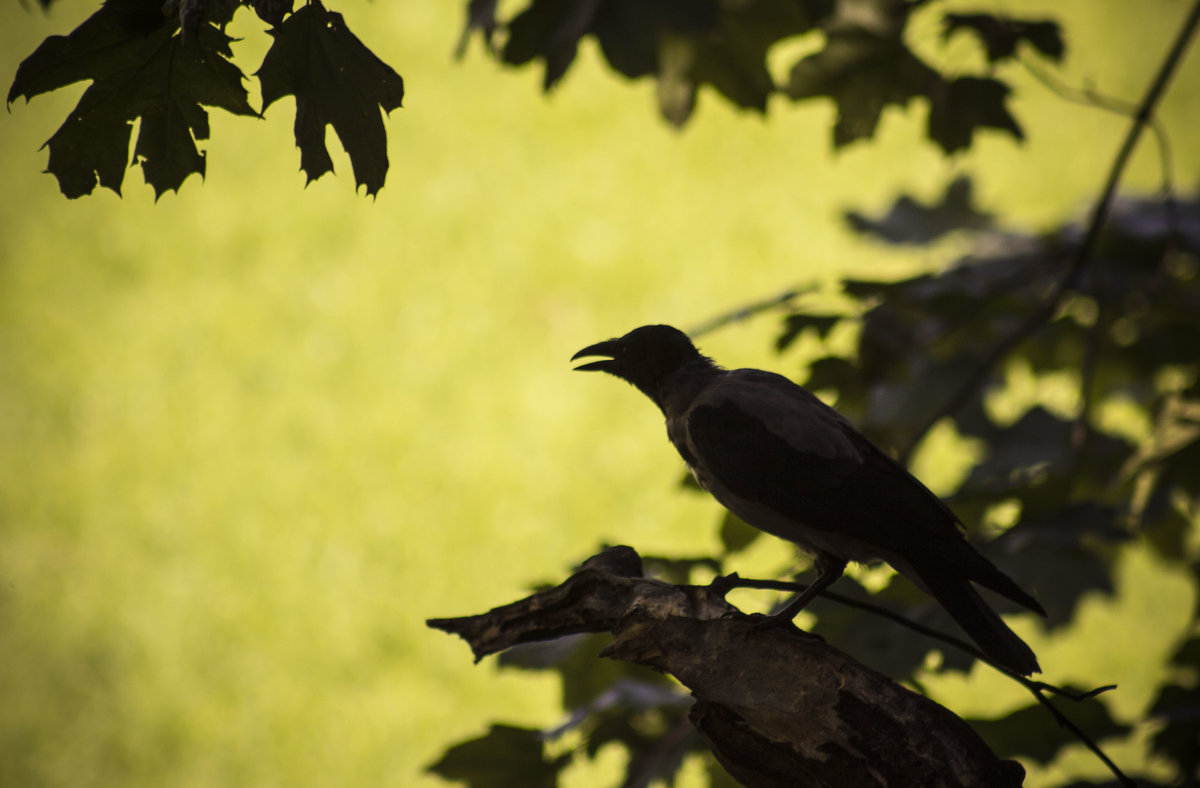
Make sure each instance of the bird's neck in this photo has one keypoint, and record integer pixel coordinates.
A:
(675, 393)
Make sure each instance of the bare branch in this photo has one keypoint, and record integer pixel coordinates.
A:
(748, 311)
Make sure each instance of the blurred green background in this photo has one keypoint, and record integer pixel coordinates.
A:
(253, 435)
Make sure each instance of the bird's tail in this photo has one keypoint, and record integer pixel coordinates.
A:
(964, 603)
(985, 573)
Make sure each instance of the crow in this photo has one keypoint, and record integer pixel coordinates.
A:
(783, 461)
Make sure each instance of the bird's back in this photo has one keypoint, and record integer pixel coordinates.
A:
(785, 462)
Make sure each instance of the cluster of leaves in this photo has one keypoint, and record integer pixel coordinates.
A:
(165, 64)
(864, 66)
(1075, 492)
(1123, 334)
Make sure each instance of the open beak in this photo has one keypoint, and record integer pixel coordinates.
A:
(605, 348)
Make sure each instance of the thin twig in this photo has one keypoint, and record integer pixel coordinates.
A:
(1087, 96)
(1090, 97)
(1083, 252)
(1081, 430)
(749, 310)
(1072, 694)
(1065, 721)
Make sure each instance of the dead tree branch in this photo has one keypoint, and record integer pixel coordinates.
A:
(777, 707)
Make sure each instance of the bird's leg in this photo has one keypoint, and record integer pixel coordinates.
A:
(829, 569)
(723, 584)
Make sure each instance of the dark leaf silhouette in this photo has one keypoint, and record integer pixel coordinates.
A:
(735, 534)
(615, 702)
(965, 104)
(139, 68)
(1178, 706)
(1000, 35)
(864, 67)
(481, 16)
(683, 44)
(505, 757)
(337, 82)
(549, 30)
(911, 222)
(886, 646)
(1031, 733)
(796, 324)
(732, 58)
(863, 72)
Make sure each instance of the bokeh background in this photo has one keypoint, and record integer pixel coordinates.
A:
(254, 434)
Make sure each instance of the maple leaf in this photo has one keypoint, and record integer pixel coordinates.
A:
(732, 56)
(683, 43)
(139, 68)
(910, 221)
(863, 73)
(1000, 35)
(337, 81)
(864, 69)
(960, 106)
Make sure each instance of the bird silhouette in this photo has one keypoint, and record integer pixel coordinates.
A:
(786, 463)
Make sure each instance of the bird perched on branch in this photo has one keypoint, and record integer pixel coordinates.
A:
(786, 463)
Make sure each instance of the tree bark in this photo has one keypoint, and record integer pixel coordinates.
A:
(778, 707)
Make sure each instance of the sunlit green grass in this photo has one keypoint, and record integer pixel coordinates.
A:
(253, 435)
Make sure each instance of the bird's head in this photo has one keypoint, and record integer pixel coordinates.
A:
(646, 357)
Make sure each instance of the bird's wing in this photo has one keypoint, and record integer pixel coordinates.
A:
(763, 441)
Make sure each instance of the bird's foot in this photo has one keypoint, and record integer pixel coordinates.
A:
(763, 622)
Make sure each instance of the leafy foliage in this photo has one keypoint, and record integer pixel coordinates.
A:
(685, 44)
(1080, 492)
(907, 222)
(1000, 36)
(1077, 492)
(864, 66)
(1178, 709)
(1025, 733)
(164, 64)
(505, 757)
(139, 69)
(615, 703)
(863, 71)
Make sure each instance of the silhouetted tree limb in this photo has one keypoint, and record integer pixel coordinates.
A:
(776, 706)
